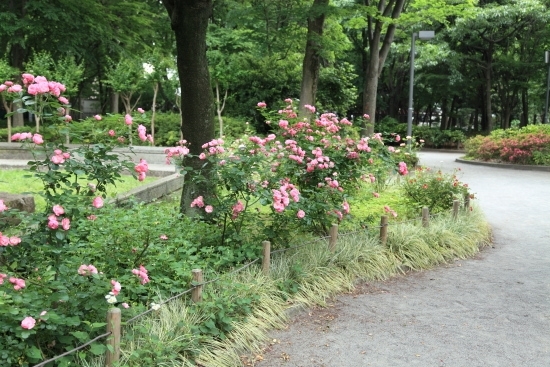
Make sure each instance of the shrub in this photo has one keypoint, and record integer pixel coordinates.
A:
(528, 145)
(435, 190)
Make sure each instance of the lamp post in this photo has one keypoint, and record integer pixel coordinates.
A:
(547, 61)
(423, 35)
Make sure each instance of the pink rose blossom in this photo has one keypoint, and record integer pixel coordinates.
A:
(68, 118)
(140, 110)
(18, 284)
(58, 210)
(125, 305)
(403, 168)
(15, 241)
(66, 224)
(53, 224)
(9, 83)
(163, 237)
(111, 133)
(28, 323)
(301, 214)
(87, 270)
(198, 202)
(3, 206)
(209, 209)
(97, 202)
(37, 139)
(128, 120)
(27, 78)
(97, 117)
(237, 208)
(16, 88)
(116, 287)
(262, 105)
(63, 100)
(142, 274)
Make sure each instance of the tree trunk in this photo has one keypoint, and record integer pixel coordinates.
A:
(114, 102)
(525, 109)
(220, 107)
(189, 21)
(377, 57)
(487, 92)
(312, 58)
(154, 110)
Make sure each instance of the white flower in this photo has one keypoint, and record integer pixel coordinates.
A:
(110, 298)
(155, 306)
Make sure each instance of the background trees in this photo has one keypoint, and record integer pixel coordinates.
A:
(484, 70)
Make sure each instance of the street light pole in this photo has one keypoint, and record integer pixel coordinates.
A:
(423, 35)
(547, 61)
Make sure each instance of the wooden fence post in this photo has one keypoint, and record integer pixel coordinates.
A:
(456, 206)
(333, 233)
(113, 341)
(383, 229)
(196, 293)
(425, 217)
(466, 202)
(267, 257)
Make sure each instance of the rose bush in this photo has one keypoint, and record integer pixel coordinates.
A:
(300, 175)
(52, 296)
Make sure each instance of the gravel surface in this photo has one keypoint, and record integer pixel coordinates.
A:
(492, 310)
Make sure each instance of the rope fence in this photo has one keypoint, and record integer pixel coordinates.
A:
(114, 322)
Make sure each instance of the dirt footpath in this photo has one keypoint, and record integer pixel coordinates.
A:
(493, 310)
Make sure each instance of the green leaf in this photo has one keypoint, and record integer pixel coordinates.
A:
(97, 349)
(33, 352)
(81, 336)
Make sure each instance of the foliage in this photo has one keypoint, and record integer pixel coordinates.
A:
(435, 190)
(300, 177)
(527, 145)
(55, 298)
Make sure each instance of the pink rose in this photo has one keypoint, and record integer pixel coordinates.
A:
(98, 117)
(125, 305)
(58, 210)
(140, 110)
(16, 88)
(53, 224)
(63, 100)
(301, 214)
(112, 133)
(28, 323)
(116, 287)
(68, 118)
(66, 224)
(262, 105)
(209, 209)
(37, 139)
(128, 120)
(97, 202)
(3, 206)
(27, 78)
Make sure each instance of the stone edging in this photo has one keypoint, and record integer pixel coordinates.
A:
(522, 167)
(151, 191)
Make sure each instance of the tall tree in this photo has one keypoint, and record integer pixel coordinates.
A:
(189, 21)
(312, 56)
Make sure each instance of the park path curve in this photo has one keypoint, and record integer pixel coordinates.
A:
(492, 310)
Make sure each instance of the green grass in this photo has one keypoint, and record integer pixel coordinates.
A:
(15, 182)
(321, 275)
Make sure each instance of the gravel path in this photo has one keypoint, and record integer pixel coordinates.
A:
(493, 310)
